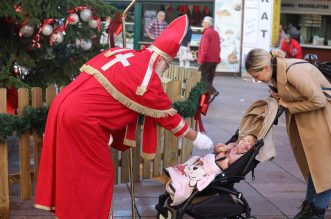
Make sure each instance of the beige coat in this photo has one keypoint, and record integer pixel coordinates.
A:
(308, 119)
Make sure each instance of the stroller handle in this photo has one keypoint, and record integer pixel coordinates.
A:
(280, 111)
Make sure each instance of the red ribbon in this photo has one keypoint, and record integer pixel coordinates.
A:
(202, 109)
(72, 11)
(36, 39)
(79, 8)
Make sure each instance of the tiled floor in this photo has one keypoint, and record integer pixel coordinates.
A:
(276, 193)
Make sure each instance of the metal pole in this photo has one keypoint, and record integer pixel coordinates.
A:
(123, 22)
(130, 150)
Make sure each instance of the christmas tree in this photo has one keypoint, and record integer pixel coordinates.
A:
(45, 42)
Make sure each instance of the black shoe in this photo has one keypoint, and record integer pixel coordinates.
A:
(306, 211)
(212, 97)
(317, 213)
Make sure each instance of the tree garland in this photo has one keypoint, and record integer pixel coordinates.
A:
(34, 119)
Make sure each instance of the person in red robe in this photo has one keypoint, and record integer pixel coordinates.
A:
(99, 109)
(291, 47)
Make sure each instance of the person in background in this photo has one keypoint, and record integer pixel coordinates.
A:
(281, 35)
(156, 27)
(305, 94)
(291, 47)
(293, 32)
(98, 110)
(184, 55)
(209, 55)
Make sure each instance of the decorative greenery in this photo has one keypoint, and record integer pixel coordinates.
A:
(35, 119)
(188, 107)
(32, 119)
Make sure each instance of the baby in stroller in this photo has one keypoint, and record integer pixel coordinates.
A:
(213, 192)
(200, 171)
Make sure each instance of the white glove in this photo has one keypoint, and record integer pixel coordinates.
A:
(203, 142)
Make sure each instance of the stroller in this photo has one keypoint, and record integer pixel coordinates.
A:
(220, 199)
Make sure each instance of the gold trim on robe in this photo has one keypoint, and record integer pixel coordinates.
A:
(123, 99)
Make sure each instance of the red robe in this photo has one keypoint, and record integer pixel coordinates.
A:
(76, 174)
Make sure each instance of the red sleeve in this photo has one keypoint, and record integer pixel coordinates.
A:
(118, 138)
(175, 124)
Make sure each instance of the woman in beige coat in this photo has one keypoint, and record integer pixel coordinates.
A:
(301, 91)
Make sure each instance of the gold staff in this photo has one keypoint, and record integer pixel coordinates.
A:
(130, 150)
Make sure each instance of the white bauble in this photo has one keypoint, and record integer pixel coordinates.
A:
(57, 37)
(93, 23)
(73, 19)
(47, 30)
(77, 42)
(86, 14)
(86, 44)
(27, 30)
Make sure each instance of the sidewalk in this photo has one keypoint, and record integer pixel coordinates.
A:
(277, 191)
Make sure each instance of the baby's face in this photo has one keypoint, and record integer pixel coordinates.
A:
(245, 144)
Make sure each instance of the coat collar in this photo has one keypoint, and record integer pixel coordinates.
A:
(281, 71)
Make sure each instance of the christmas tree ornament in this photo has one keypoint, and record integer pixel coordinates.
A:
(47, 30)
(77, 42)
(86, 44)
(57, 37)
(86, 14)
(73, 18)
(26, 30)
(95, 22)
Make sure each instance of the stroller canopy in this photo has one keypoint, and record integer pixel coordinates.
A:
(257, 120)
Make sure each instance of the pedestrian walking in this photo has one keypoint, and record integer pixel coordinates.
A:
(209, 55)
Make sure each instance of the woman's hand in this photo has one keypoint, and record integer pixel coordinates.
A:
(283, 103)
(274, 95)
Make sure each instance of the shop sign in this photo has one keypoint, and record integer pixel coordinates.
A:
(228, 20)
(257, 26)
(306, 7)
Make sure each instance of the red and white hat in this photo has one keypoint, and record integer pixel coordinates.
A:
(168, 42)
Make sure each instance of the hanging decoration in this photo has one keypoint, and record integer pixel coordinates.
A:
(95, 23)
(26, 30)
(202, 109)
(77, 43)
(47, 30)
(86, 14)
(58, 35)
(183, 9)
(86, 44)
(73, 19)
(206, 11)
(170, 8)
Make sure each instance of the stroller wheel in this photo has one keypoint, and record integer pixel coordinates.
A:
(160, 216)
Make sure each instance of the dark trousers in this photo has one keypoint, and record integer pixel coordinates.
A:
(207, 75)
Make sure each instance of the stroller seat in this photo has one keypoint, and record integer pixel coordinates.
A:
(220, 199)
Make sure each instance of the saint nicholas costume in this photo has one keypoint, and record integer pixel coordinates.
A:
(100, 107)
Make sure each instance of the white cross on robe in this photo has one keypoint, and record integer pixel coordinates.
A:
(119, 58)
